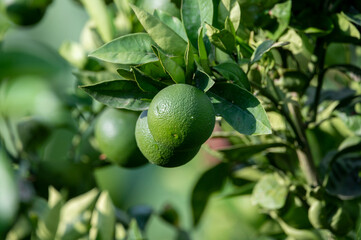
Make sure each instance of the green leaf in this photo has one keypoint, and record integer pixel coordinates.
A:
(345, 27)
(125, 73)
(233, 10)
(243, 152)
(103, 219)
(203, 81)
(352, 71)
(170, 215)
(194, 14)
(48, 219)
(154, 70)
(354, 17)
(9, 193)
(222, 39)
(75, 216)
(282, 11)
(146, 83)
(8, 134)
(134, 233)
(240, 109)
(270, 192)
(189, 62)
(231, 71)
(101, 17)
(164, 36)
(210, 182)
(170, 66)
(344, 179)
(129, 49)
(119, 94)
(203, 56)
(172, 22)
(263, 48)
(90, 77)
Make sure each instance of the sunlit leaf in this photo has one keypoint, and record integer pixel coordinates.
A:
(194, 14)
(103, 219)
(129, 49)
(165, 37)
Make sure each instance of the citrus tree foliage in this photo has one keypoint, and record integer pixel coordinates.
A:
(284, 81)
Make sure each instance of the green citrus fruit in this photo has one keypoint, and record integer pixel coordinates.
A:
(181, 116)
(157, 153)
(115, 134)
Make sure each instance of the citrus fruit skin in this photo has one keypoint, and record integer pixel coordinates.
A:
(181, 116)
(157, 153)
(115, 134)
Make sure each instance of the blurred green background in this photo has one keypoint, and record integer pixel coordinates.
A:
(149, 185)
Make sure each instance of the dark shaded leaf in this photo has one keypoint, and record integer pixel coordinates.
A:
(146, 83)
(203, 81)
(243, 152)
(119, 94)
(240, 109)
(32, 132)
(154, 70)
(170, 215)
(231, 71)
(344, 178)
(124, 73)
(211, 181)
